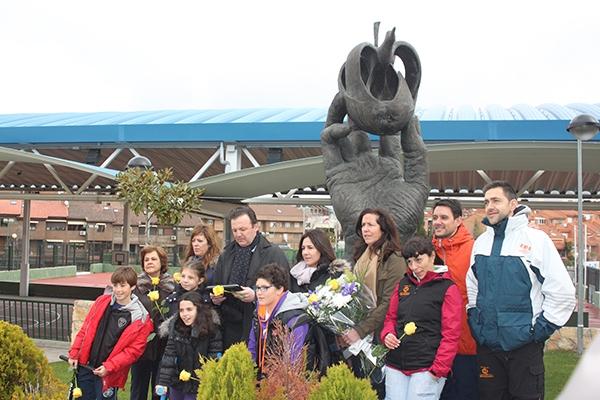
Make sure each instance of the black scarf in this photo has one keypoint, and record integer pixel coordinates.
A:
(241, 262)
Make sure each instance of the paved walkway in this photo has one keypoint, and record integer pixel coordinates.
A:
(99, 280)
(52, 349)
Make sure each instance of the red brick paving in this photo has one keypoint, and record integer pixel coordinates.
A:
(99, 280)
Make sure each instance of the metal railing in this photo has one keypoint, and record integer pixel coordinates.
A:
(39, 319)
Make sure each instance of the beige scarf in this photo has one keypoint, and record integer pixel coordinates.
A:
(366, 270)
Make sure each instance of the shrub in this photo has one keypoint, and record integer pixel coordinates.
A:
(341, 384)
(285, 378)
(232, 377)
(24, 370)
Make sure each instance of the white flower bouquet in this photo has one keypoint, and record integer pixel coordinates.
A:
(339, 305)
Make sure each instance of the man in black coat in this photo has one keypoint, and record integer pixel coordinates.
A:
(238, 264)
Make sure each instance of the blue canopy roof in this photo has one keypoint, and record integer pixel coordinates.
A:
(466, 123)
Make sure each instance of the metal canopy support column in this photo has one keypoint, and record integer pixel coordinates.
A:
(484, 176)
(53, 172)
(233, 158)
(206, 165)
(105, 164)
(6, 168)
(530, 182)
(24, 281)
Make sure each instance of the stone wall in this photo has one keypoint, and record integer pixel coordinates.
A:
(566, 339)
(80, 310)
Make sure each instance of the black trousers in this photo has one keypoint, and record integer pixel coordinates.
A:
(463, 381)
(511, 375)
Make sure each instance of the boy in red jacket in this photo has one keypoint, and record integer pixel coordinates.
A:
(112, 337)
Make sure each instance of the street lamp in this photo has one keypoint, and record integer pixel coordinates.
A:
(584, 127)
(11, 251)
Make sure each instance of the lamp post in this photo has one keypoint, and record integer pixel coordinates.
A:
(584, 127)
(13, 250)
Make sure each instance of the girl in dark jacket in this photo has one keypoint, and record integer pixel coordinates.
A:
(192, 279)
(192, 333)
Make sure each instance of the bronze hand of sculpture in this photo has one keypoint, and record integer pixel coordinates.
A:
(377, 100)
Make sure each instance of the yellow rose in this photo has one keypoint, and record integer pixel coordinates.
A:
(218, 290)
(313, 298)
(410, 328)
(184, 376)
(155, 281)
(77, 393)
(334, 285)
(153, 295)
(177, 277)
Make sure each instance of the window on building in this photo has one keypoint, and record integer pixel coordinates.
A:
(6, 221)
(288, 224)
(56, 226)
(102, 228)
(540, 220)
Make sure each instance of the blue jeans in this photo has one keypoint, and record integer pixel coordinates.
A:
(91, 386)
(420, 385)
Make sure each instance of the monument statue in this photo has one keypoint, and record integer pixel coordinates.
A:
(380, 101)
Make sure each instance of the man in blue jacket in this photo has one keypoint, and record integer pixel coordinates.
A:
(519, 293)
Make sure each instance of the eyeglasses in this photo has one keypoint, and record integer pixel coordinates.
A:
(263, 288)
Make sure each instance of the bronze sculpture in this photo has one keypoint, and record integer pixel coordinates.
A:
(380, 101)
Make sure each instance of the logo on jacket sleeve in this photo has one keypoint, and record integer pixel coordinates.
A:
(524, 248)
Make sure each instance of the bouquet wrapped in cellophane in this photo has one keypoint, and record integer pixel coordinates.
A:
(338, 305)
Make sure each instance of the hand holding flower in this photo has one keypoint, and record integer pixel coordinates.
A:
(392, 342)
(218, 290)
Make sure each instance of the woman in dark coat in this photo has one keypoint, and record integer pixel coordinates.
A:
(153, 279)
(315, 262)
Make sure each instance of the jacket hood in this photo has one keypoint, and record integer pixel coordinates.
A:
(520, 211)
(291, 301)
(430, 276)
(135, 308)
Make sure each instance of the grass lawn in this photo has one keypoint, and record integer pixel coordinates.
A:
(559, 366)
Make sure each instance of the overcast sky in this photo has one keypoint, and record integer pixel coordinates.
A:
(61, 56)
